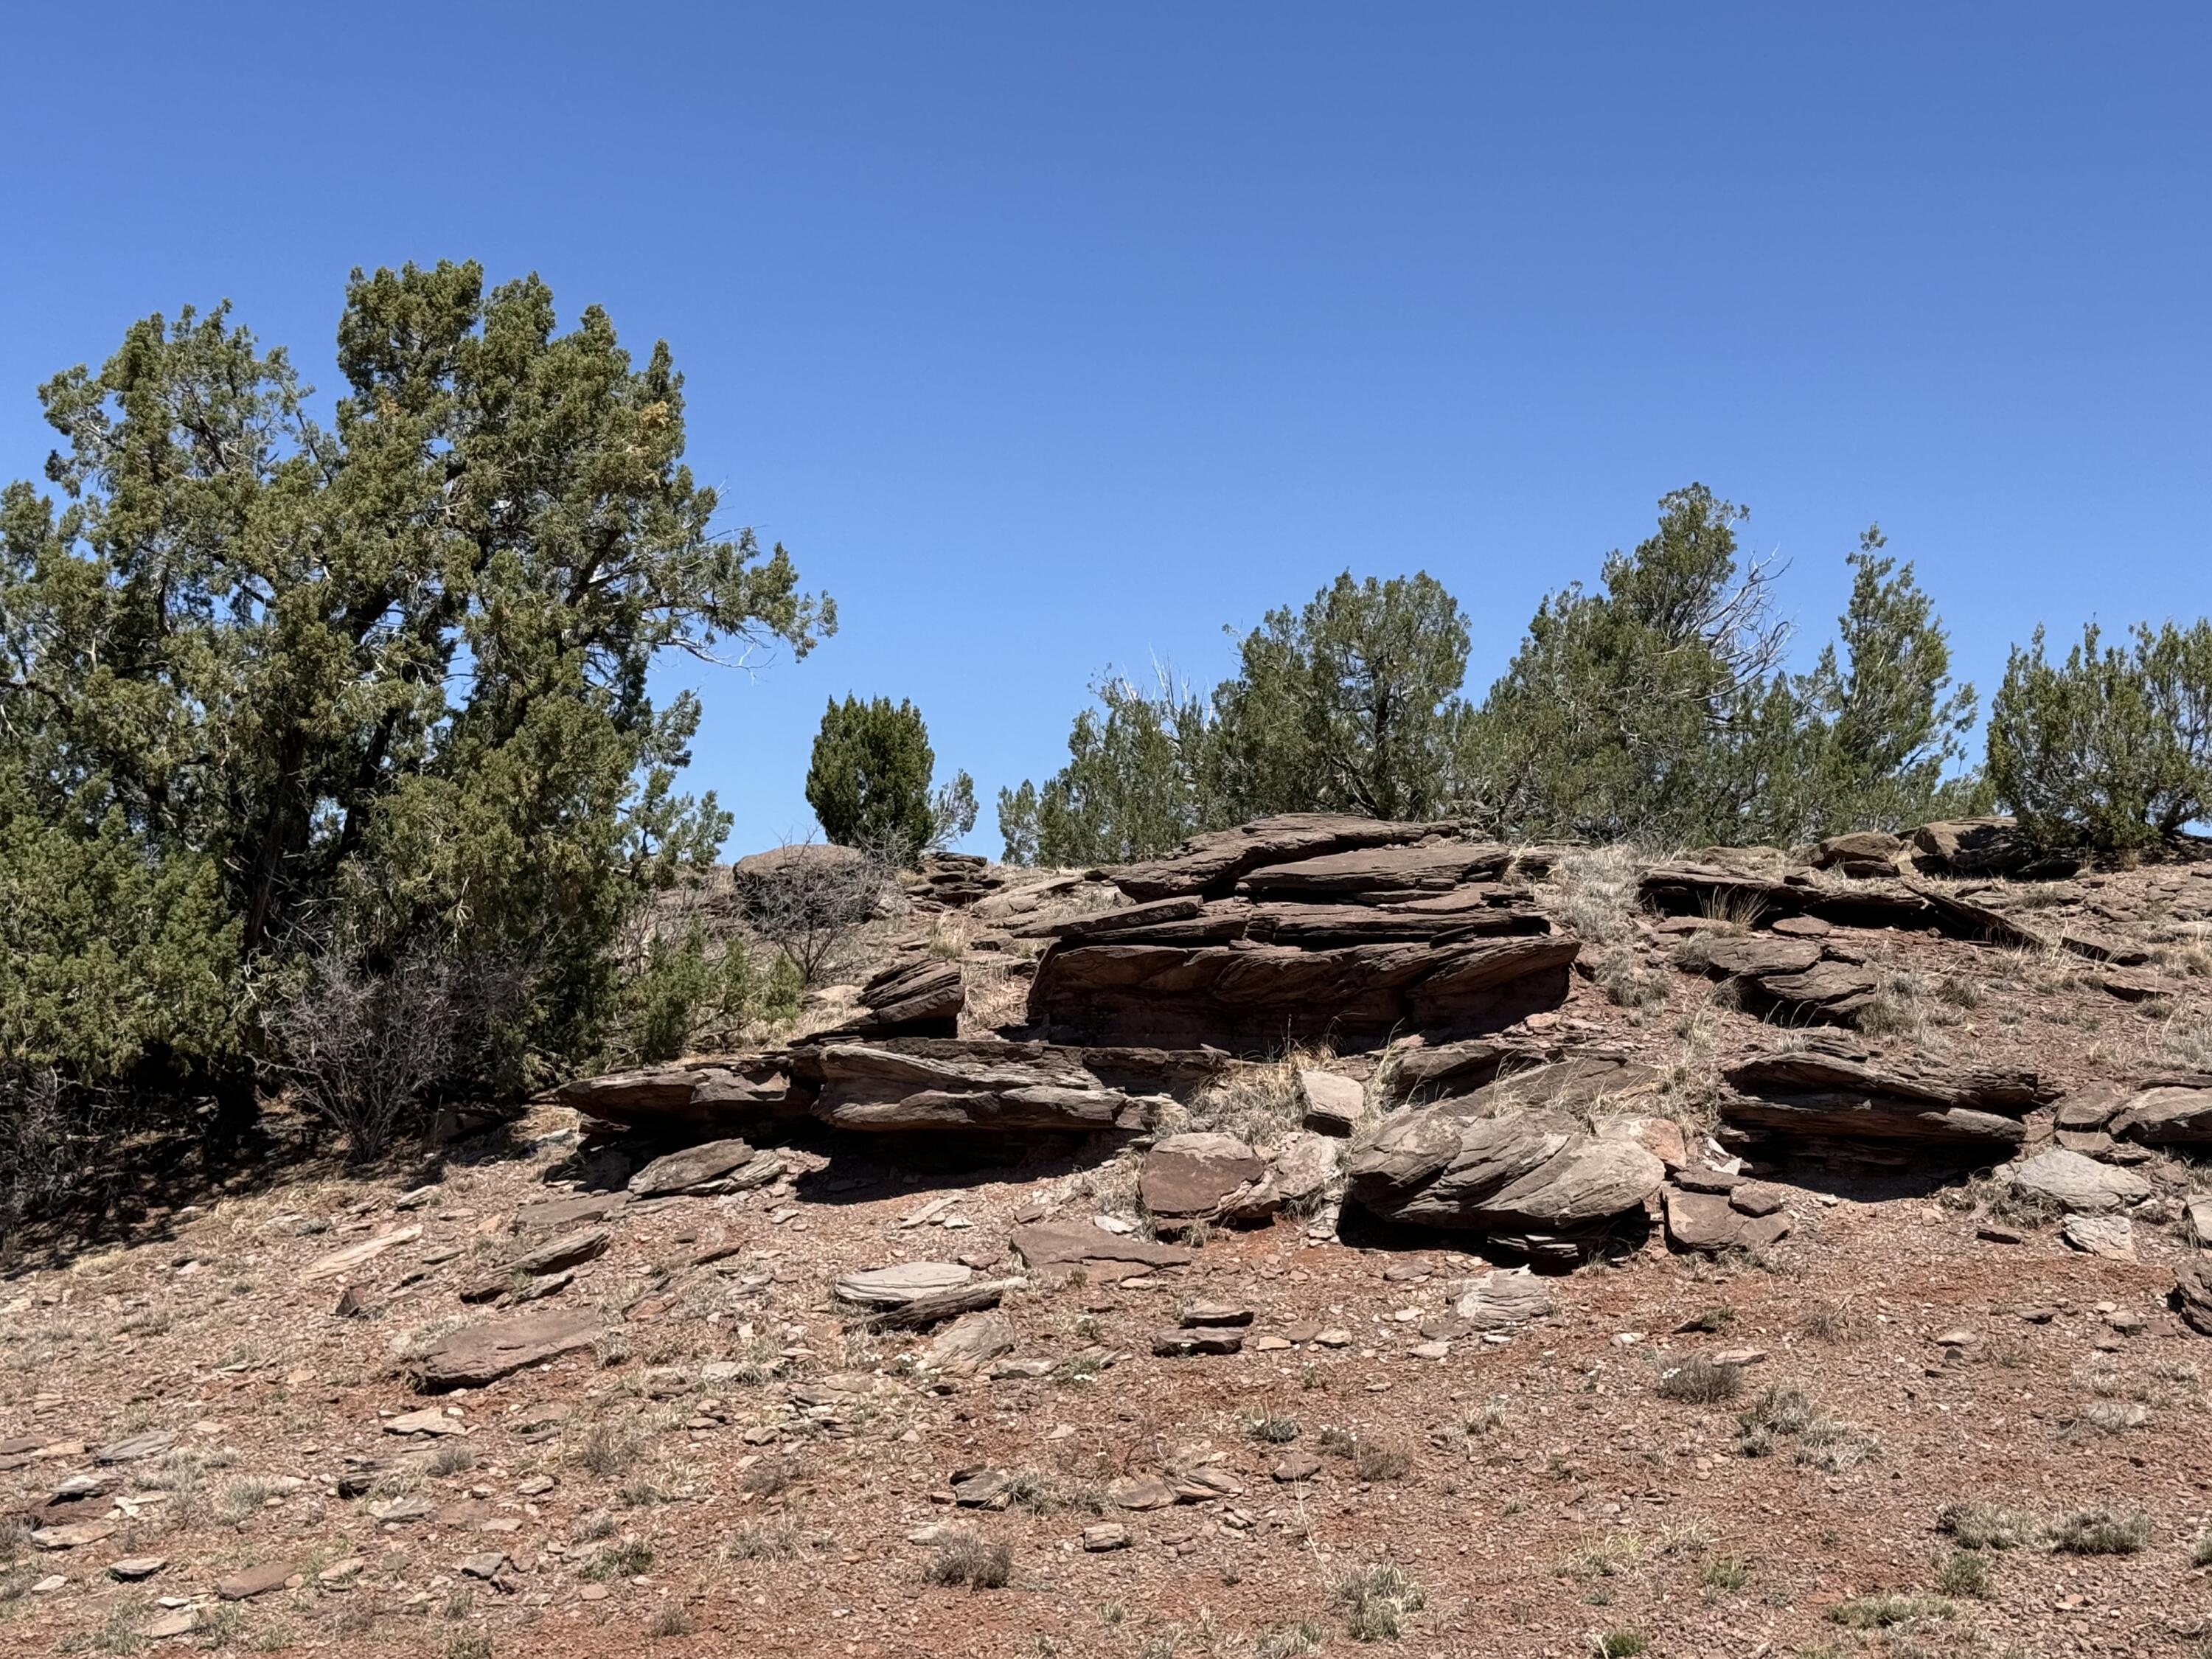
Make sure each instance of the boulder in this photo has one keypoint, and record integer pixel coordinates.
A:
(2192, 1294)
(2166, 1116)
(1204, 1176)
(2079, 1183)
(1993, 845)
(915, 999)
(2111, 1237)
(1503, 1301)
(1527, 1171)
(1330, 1102)
(1859, 847)
(717, 1166)
(480, 1354)
(1827, 1099)
(1211, 863)
(938, 1086)
(1245, 996)
(2090, 1107)
(1304, 1166)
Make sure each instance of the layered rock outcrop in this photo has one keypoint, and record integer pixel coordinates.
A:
(1304, 926)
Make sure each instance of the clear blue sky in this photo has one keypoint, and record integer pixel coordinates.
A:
(1050, 337)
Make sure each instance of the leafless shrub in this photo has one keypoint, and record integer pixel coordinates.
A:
(367, 1049)
(810, 901)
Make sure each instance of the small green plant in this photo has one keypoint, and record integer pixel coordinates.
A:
(1619, 1644)
(625, 1559)
(1275, 1431)
(1380, 1459)
(1376, 1601)
(2200, 1553)
(468, 1645)
(1724, 1572)
(1967, 1572)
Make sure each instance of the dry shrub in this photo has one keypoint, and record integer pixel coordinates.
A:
(962, 1559)
(1376, 1601)
(811, 903)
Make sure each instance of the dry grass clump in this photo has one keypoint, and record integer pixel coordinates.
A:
(756, 1541)
(1595, 891)
(1376, 1601)
(962, 1559)
(1887, 1609)
(1699, 1381)
(1631, 981)
(1988, 1526)
(1371, 1459)
(2101, 1532)
(1783, 1413)
(1259, 1103)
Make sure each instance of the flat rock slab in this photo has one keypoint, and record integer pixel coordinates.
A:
(338, 1263)
(2166, 1116)
(2111, 1237)
(138, 1447)
(1205, 1176)
(555, 1256)
(2078, 1183)
(431, 1420)
(1185, 1344)
(1211, 863)
(561, 1215)
(1077, 1244)
(973, 1339)
(716, 1166)
(1503, 1301)
(901, 1283)
(71, 1535)
(479, 1354)
(1145, 1491)
(250, 1582)
(132, 1567)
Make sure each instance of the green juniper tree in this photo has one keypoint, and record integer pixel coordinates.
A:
(2110, 749)
(267, 683)
(869, 781)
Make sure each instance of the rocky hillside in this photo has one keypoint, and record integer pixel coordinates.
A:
(1335, 1233)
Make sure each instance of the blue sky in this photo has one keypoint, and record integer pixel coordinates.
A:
(1050, 338)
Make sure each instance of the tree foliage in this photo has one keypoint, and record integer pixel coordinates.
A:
(2111, 748)
(869, 781)
(264, 680)
(1133, 787)
(1655, 708)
